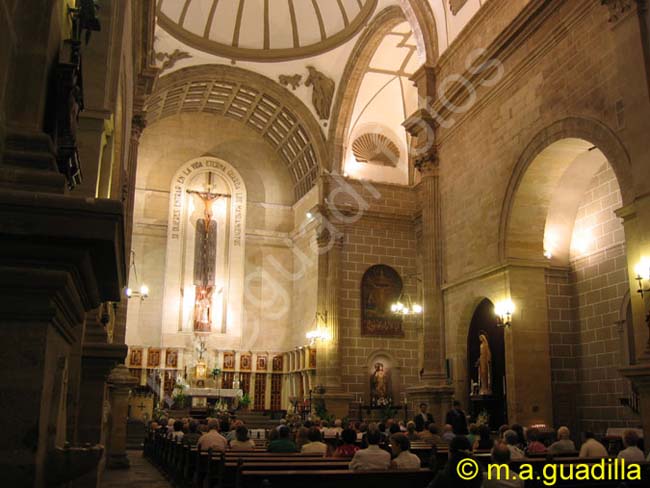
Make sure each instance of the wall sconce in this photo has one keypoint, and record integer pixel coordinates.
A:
(642, 272)
(143, 291)
(504, 310)
(317, 335)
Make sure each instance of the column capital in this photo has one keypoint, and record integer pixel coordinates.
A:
(138, 124)
(428, 162)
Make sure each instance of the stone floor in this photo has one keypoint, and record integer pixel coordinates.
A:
(141, 474)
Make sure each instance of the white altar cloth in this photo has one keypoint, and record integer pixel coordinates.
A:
(214, 392)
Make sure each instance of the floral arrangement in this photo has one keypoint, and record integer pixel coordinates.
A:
(483, 418)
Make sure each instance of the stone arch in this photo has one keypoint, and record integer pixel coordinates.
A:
(255, 101)
(580, 133)
(424, 29)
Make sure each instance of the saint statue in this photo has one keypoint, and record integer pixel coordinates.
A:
(205, 253)
(484, 365)
(379, 386)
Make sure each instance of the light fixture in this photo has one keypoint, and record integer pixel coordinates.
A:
(642, 273)
(309, 215)
(143, 291)
(405, 306)
(317, 335)
(504, 310)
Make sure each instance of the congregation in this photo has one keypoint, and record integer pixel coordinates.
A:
(393, 444)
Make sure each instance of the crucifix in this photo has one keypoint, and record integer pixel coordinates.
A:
(201, 348)
(142, 406)
(205, 251)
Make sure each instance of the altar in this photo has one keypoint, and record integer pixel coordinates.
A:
(200, 397)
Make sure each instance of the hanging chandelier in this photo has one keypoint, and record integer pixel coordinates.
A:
(405, 306)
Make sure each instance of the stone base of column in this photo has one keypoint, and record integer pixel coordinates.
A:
(639, 375)
(337, 403)
(117, 461)
(437, 397)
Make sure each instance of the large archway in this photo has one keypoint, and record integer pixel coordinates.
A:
(559, 215)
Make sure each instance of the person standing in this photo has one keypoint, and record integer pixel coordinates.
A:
(457, 419)
(423, 419)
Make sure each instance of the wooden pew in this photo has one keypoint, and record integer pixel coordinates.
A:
(334, 478)
(215, 469)
(232, 471)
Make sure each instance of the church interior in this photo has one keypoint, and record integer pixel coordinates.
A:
(408, 218)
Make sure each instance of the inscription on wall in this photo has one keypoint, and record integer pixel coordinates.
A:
(237, 198)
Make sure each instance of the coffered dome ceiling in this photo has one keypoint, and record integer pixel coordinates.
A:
(264, 30)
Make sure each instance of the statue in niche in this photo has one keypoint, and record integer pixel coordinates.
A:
(205, 252)
(380, 386)
(484, 365)
(323, 92)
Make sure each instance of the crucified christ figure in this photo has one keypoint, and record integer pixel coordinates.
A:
(205, 251)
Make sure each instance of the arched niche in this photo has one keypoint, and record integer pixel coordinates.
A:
(226, 301)
(392, 374)
(484, 322)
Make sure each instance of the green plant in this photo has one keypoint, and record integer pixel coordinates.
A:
(321, 411)
(245, 401)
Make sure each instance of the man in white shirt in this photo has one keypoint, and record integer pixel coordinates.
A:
(404, 459)
(631, 453)
(212, 439)
(591, 448)
(373, 457)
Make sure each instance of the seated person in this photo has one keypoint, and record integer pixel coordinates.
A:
(534, 446)
(448, 433)
(283, 443)
(411, 434)
(212, 439)
(591, 448)
(459, 449)
(563, 444)
(177, 434)
(193, 436)
(511, 439)
(501, 455)
(315, 444)
(373, 457)
(404, 458)
(242, 442)
(631, 453)
(348, 448)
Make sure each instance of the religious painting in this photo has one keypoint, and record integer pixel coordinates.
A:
(135, 357)
(380, 385)
(261, 362)
(153, 358)
(229, 360)
(245, 362)
(277, 363)
(312, 358)
(381, 286)
(171, 358)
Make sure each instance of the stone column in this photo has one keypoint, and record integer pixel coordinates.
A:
(120, 383)
(636, 221)
(328, 364)
(433, 388)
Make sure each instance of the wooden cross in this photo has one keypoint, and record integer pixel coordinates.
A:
(142, 406)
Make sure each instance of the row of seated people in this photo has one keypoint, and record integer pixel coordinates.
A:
(281, 465)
